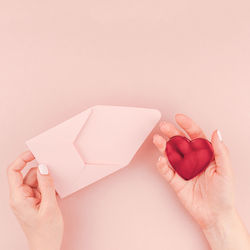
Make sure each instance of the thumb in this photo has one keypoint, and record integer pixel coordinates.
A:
(46, 186)
(221, 154)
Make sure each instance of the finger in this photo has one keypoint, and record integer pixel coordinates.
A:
(30, 178)
(175, 181)
(221, 154)
(46, 185)
(189, 126)
(37, 194)
(211, 169)
(15, 176)
(159, 142)
(170, 130)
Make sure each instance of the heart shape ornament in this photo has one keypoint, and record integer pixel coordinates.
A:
(189, 157)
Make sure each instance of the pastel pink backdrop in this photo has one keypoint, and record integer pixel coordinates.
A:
(59, 57)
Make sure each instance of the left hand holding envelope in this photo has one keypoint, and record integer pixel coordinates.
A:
(34, 202)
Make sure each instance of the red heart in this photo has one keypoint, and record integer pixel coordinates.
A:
(189, 158)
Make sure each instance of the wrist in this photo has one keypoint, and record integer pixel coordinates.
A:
(42, 245)
(227, 232)
(221, 220)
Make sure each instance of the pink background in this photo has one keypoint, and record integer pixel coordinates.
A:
(59, 57)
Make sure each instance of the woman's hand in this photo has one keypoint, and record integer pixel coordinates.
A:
(34, 202)
(208, 197)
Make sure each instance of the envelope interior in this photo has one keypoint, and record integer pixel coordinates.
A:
(112, 135)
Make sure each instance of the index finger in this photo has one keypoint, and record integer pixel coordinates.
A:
(15, 176)
(190, 127)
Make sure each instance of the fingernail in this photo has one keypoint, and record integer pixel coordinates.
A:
(164, 126)
(161, 158)
(162, 123)
(43, 169)
(156, 138)
(219, 135)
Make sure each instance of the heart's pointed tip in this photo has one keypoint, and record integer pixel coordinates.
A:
(187, 178)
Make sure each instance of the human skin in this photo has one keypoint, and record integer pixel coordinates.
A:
(208, 197)
(34, 202)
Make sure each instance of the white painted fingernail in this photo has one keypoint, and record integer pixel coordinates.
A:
(155, 138)
(219, 135)
(43, 169)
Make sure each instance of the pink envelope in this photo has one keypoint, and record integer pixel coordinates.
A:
(92, 144)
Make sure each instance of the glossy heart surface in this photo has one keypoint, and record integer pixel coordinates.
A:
(189, 157)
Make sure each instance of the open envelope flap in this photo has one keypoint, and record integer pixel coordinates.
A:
(55, 148)
(108, 141)
(113, 134)
(92, 144)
